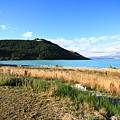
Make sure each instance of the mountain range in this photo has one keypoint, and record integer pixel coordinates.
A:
(110, 56)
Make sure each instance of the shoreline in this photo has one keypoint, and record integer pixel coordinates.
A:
(12, 65)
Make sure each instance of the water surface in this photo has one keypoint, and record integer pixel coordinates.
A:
(68, 63)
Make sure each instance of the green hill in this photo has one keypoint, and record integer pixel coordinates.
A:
(35, 49)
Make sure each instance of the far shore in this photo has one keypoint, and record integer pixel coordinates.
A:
(12, 65)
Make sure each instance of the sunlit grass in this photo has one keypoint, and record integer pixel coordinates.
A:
(104, 80)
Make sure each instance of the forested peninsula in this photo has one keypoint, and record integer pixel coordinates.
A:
(37, 49)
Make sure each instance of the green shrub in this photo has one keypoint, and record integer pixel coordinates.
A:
(111, 67)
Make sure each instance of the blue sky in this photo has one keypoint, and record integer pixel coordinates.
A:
(90, 27)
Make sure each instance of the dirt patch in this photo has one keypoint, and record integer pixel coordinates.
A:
(17, 103)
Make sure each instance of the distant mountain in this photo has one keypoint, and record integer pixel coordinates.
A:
(111, 56)
(115, 56)
(37, 49)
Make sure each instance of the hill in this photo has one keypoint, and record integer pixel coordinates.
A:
(35, 49)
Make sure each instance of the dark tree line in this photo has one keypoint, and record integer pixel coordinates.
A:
(35, 49)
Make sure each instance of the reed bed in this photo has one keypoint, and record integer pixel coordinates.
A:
(99, 79)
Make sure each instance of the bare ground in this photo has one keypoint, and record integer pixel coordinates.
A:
(20, 104)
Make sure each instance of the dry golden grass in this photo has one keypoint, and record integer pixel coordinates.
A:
(99, 79)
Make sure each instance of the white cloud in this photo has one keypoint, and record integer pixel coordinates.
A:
(115, 37)
(83, 39)
(28, 34)
(112, 47)
(3, 27)
(103, 38)
(92, 38)
(89, 46)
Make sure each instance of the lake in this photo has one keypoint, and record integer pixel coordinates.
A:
(98, 63)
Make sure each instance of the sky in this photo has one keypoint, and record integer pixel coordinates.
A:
(89, 27)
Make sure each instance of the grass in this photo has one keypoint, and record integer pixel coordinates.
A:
(104, 80)
(79, 97)
(60, 89)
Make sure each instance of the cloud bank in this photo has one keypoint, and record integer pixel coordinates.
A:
(92, 46)
(27, 34)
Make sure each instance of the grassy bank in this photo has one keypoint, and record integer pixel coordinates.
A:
(26, 97)
(106, 80)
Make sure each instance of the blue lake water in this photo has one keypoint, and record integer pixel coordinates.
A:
(68, 63)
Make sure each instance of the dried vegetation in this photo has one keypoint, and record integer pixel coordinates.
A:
(99, 79)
